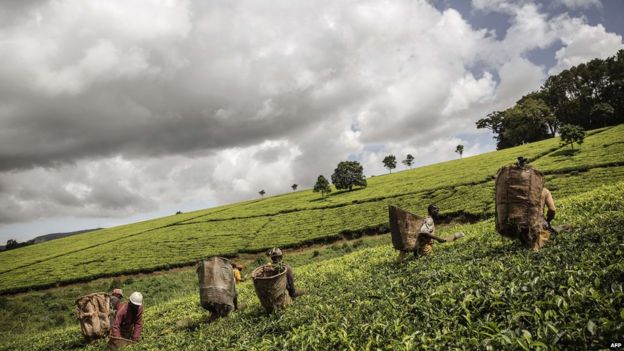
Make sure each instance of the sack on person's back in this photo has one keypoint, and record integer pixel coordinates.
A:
(93, 311)
(518, 203)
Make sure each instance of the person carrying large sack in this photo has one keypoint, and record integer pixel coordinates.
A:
(276, 259)
(425, 235)
(217, 287)
(129, 319)
(520, 197)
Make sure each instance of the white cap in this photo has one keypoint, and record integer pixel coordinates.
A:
(136, 298)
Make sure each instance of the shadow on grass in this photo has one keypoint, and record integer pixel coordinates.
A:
(566, 152)
(337, 193)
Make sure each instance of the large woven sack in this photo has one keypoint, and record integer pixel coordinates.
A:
(404, 228)
(270, 287)
(118, 343)
(93, 311)
(217, 287)
(518, 203)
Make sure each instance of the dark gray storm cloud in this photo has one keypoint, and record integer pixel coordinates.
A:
(115, 108)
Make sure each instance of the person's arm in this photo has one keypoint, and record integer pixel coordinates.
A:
(138, 325)
(121, 313)
(550, 204)
(434, 237)
(290, 282)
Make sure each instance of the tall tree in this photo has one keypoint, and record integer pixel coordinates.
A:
(322, 186)
(460, 150)
(409, 160)
(571, 134)
(580, 96)
(262, 192)
(348, 174)
(11, 244)
(389, 162)
(602, 111)
(294, 187)
(526, 122)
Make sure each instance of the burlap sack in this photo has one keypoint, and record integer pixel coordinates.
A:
(93, 311)
(217, 287)
(271, 288)
(404, 228)
(518, 203)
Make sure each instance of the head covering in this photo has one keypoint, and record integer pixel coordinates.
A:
(136, 298)
(275, 252)
(118, 291)
(433, 210)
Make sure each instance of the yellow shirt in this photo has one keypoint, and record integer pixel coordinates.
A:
(237, 275)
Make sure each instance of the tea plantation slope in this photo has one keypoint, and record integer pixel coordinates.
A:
(483, 292)
(182, 244)
(460, 187)
(25, 256)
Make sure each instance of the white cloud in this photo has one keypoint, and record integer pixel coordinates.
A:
(119, 107)
(467, 90)
(517, 78)
(582, 43)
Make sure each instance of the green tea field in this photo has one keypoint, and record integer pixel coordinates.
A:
(482, 292)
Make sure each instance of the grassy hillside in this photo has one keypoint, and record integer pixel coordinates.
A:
(483, 292)
(459, 187)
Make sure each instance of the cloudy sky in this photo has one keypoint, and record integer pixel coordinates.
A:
(119, 110)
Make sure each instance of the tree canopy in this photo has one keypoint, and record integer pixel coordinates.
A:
(409, 160)
(589, 95)
(571, 134)
(460, 150)
(322, 186)
(390, 162)
(348, 174)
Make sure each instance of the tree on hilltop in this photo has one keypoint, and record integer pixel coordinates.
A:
(294, 187)
(460, 150)
(11, 244)
(348, 174)
(389, 162)
(14, 244)
(262, 192)
(409, 160)
(530, 120)
(322, 186)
